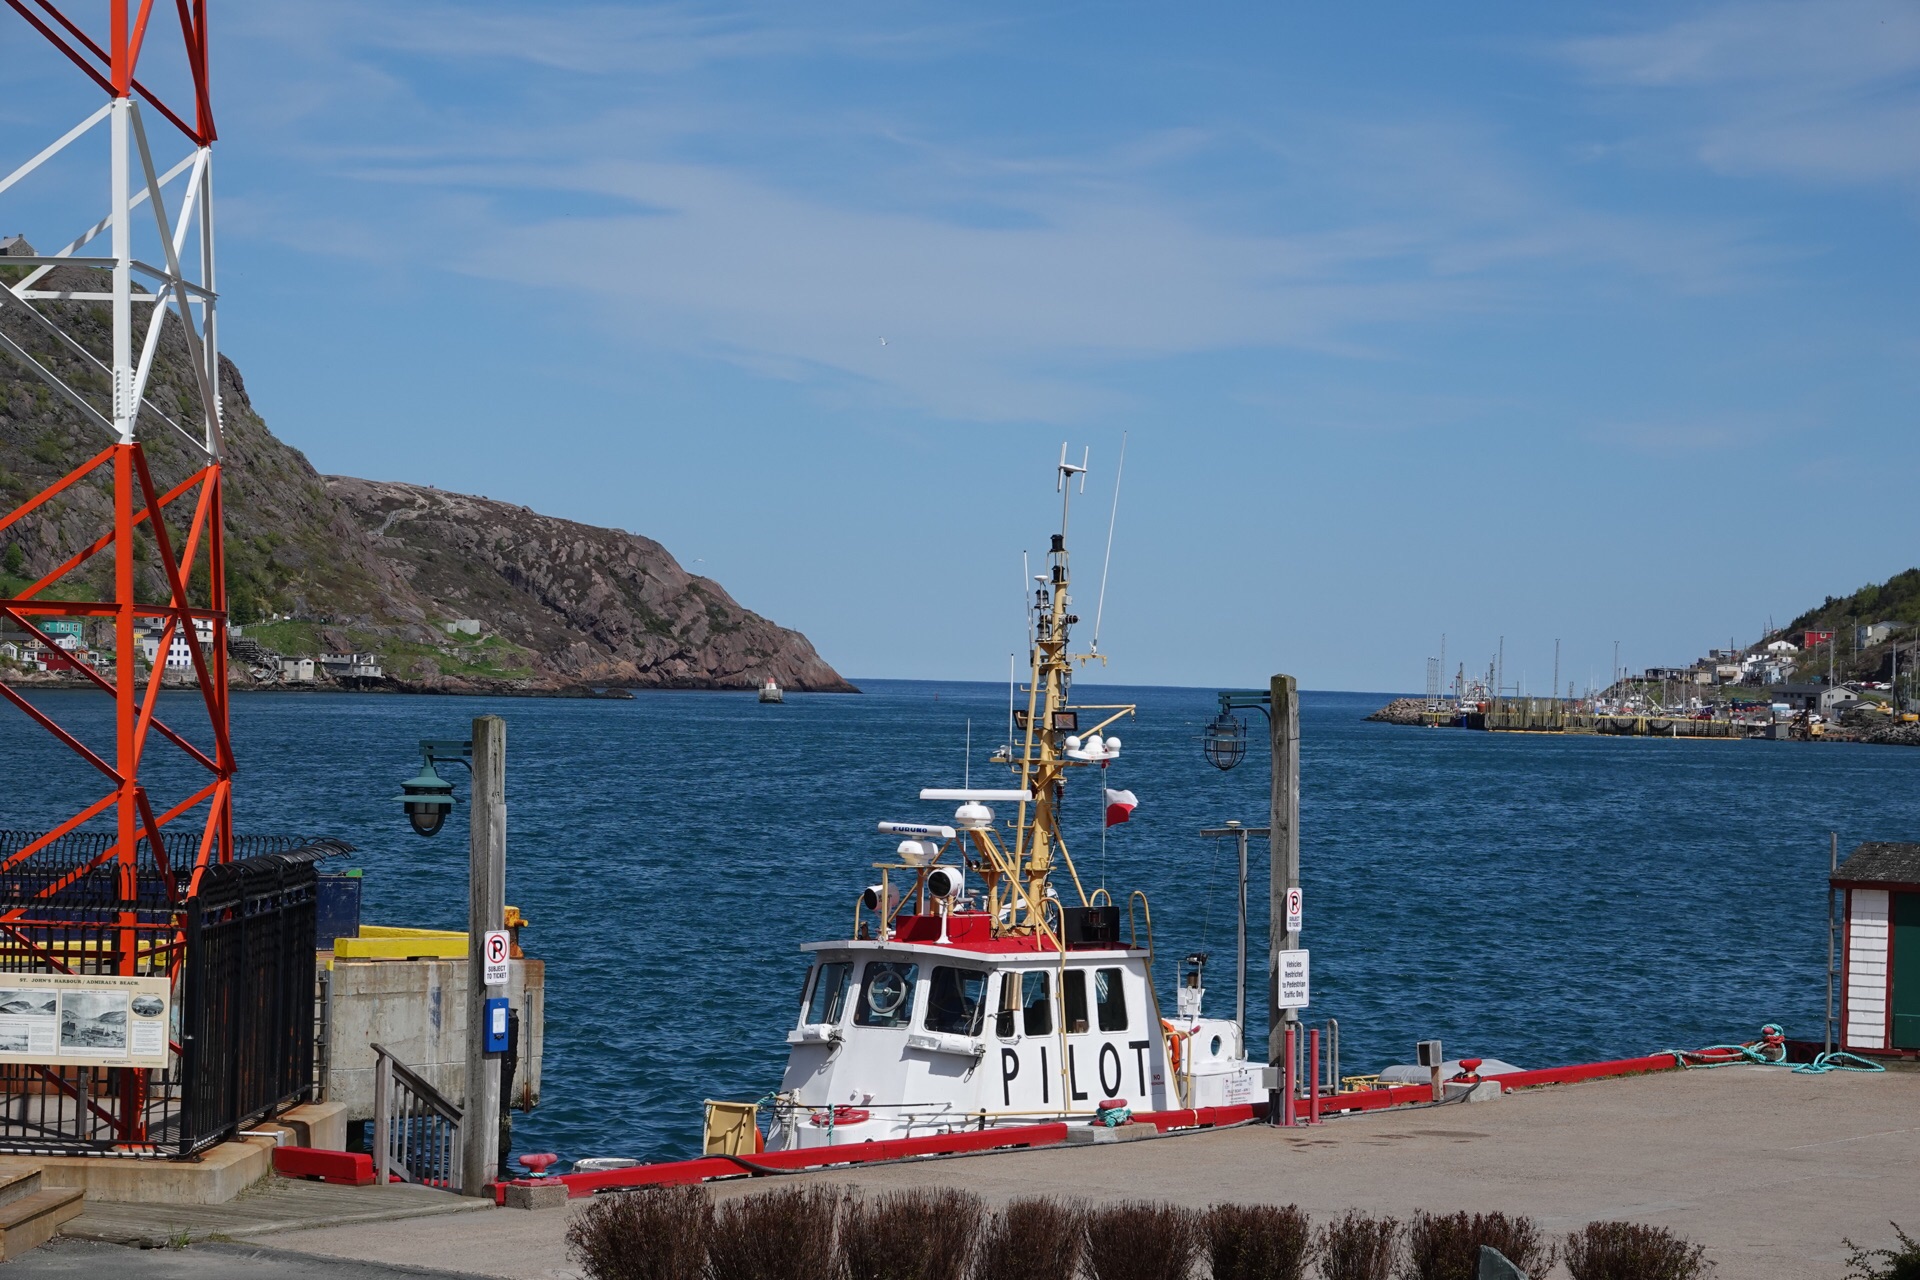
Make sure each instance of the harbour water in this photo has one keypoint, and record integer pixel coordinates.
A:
(1534, 898)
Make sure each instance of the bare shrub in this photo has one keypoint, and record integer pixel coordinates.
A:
(1633, 1251)
(1039, 1238)
(1355, 1246)
(780, 1235)
(912, 1235)
(1140, 1240)
(1884, 1264)
(658, 1234)
(1447, 1246)
(1257, 1241)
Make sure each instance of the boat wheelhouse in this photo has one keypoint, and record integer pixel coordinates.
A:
(980, 986)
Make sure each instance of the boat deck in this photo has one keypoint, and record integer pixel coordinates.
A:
(1767, 1169)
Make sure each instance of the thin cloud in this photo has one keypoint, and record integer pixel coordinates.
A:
(1010, 275)
(1824, 92)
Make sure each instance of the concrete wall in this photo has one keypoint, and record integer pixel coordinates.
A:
(417, 1009)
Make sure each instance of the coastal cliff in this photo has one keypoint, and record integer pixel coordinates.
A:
(450, 593)
(595, 606)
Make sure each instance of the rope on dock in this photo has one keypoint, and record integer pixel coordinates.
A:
(1770, 1050)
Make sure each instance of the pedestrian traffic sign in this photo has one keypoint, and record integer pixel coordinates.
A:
(1290, 979)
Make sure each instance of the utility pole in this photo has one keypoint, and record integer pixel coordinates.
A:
(1555, 686)
(1240, 835)
(486, 909)
(1283, 870)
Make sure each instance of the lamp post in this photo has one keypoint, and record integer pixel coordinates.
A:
(1224, 746)
(1240, 987)
(428, 799)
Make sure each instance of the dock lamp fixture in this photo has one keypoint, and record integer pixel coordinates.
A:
(1224, 742)
(427, 797)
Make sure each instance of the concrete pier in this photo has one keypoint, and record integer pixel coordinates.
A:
(1767, 1169)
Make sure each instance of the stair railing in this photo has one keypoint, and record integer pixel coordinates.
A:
(416, 1129)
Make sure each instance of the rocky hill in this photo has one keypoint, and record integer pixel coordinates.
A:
(331, 563)
(597, 606)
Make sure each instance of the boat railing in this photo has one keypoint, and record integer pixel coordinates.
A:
(1133, 928)
(416, 1128)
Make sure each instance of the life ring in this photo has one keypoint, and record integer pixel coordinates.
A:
(1174, 1036)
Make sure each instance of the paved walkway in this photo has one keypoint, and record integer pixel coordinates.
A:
(92, 1259)
(1767, 1169)
(274, 1205)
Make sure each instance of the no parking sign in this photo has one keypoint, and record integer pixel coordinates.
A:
(498, 948)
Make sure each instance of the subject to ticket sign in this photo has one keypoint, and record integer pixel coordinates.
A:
(497, 950)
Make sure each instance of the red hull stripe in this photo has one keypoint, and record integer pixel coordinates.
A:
(677, 1173)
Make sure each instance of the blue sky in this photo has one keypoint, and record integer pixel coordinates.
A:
(1589, 323)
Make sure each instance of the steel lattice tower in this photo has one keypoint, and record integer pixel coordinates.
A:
(173, 285)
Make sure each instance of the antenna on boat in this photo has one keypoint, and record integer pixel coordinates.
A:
(1112, 518)
(1010, 682)
(1067, 469)
(966, 767)
(1067, 472)
(1026, 604)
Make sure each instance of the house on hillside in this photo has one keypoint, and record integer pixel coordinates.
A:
(1872, 633)
(1782, 646)
(179, 653)
(351, 666)
(1813, 639)
(15, 247)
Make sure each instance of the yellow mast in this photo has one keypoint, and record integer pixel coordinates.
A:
(1017, 878)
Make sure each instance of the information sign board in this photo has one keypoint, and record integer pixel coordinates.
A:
(85, 1020)
(1294, 904)
(1291, 967)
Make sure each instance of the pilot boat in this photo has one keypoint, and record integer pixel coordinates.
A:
(981, 983)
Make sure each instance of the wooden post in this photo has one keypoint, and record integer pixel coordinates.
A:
(486, 909)
(1240, 987)
(1283, 873)
(382, 1121)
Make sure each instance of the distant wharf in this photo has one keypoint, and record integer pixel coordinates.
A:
(1558, 715)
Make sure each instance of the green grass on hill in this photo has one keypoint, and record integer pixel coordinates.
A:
(1895, 600)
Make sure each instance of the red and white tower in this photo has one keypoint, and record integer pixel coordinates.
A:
(156, 271)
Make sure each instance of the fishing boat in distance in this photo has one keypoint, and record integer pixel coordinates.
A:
(983, 982)
(771, 692)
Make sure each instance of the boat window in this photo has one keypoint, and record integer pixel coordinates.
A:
(1038, 1013)
(1003, 1021)
(829, 992)
(886, 994)
(1111, 999)
(1073, 1000)
(954, 999)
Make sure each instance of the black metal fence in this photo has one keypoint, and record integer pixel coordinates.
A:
(240, 953)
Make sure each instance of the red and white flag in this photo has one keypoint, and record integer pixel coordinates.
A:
(1120, 805)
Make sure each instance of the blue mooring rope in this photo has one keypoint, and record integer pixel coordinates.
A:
(1770, 1051)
